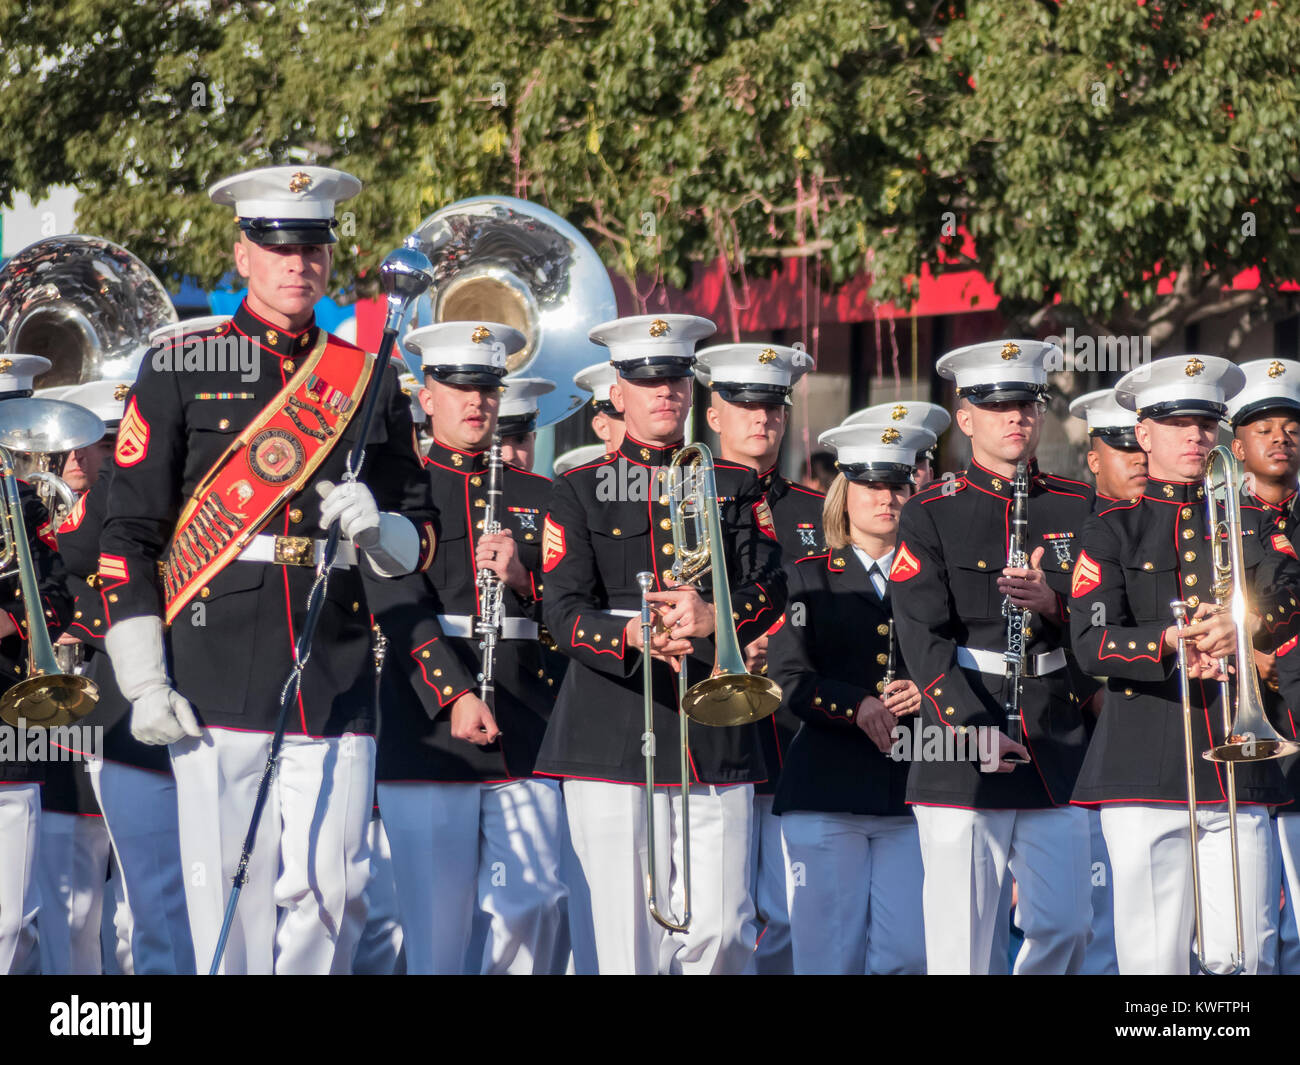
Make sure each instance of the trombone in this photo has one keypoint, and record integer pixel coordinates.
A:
(1248, 736)
(731, 695)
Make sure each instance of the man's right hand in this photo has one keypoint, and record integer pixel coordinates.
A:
(662, 645)
(161, 716)
(1008, 748)
(472, 721)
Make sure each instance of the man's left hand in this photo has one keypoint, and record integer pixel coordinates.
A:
(499, 553)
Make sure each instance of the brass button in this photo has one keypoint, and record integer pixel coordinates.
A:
(1188, 533)
(541, 672)
(1148, 566)
(938, 691)
(550, 681)
(1065, 565)
(663, 501)
(480, 503)
(1187, 512)
(750, 606)
(446, 690)
(478, 526)
(581, 632)
(882, 630)
(613, 643)
(834, 707)
(949, 711)
(981, 564)
(112, 597)
(295, 515)
(596, 637)
(1193, 601)
(1110, 646)
(224, 423)
(881, 659)
(95, 623)
(667, 523)
(1190, 580)
(76, 614)
(476, 480)
(1132, 646)
(1151, 647)
(204, 592)
(668, 549)
(1189, 556)
(618, 532)
(289, 366)
(880, 686)
(817, 700)
(437, 672)
(424, 654)
(528, 536)
(356, 607)
(1128, 691)
(762, 598)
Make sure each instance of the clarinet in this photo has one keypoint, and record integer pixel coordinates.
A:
(1017, 618)
(488, 623)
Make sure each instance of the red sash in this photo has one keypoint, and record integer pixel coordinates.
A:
(270, 461)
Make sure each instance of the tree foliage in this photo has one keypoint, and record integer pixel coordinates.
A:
(1089, 149)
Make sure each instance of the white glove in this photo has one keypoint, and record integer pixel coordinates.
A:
(389, 540)
(159, 713)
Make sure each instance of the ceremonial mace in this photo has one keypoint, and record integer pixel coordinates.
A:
(404, 276)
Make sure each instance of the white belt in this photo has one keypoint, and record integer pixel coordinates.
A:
(296, 551)
(995, 662)
(624, 613)
(462, 625)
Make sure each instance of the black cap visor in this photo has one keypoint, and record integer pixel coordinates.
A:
(480, 376)
(1004, 392)
(1175, 408)
(289, 230)
(771, 395)
(1122, 438)
(651, 367)
(1264, 406)
(898, 473)
(517, 424)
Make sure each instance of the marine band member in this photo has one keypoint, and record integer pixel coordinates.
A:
(1137, 556)
(607, 522)
(517, 419)
(209, 682)
(1265, 421)
(475, 837)
(980, 814)
(20, 778)
(841, 800)
(606, 420)
(750, 388)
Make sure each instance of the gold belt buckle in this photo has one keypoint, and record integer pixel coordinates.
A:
(294, 551)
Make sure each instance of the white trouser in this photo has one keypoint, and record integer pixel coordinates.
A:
(303, 906)
(117, 927)
(379, 952)
(608, 825)
(770, 877)
(140, 811)
(967, 854)
(73, 859)
(1287, 829)
(461, 848)
(1150, 857)
(1099, 958)
(20, 893)
(855, 899)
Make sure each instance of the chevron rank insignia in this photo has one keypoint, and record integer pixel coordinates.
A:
(132, 437)
(1087, 576)
(905, 566)
(552, 544)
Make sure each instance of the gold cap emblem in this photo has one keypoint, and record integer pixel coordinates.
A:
(1010, 350)
(898, 413)
(6, 365)
(120, 392)
(766, 355)
(1194, 366)
(658, 327)
(1276, 369)
(480, 334)
(890, 436)
(300, 182)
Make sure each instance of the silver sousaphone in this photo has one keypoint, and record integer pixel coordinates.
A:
(86, 304)
(501, 259)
